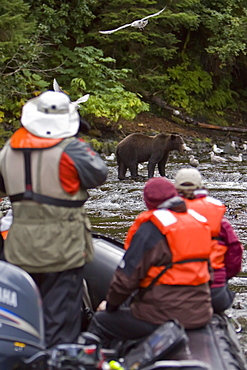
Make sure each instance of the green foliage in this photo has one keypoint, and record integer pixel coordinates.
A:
(24, 74)
(90, 65)
(228, 32)
(4, 136)
(20, 58)
(92, 74)
(15, 27)
(222, 98)
(115, 105)
(187, 84)
(62, 21)
(193, 55)
(96, 145)
(21, 79)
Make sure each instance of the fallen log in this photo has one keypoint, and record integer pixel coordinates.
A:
(175, 112)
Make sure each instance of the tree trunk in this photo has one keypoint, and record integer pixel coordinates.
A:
(175, 112)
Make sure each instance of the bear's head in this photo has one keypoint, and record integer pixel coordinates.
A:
(177, 143)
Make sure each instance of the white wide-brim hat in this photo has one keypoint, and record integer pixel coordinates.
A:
(51, 115)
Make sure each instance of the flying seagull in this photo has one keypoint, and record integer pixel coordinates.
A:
(83, 99)
(140, 23)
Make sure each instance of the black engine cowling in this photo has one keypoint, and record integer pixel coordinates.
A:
(21, 316)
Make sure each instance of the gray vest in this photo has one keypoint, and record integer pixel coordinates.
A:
(44, 169)
(44, 237)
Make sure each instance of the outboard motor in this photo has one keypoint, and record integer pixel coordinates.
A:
(21, 317)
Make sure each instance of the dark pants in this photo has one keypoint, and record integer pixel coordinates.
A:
(222, 298)
(61, 294)
(1, 248)
(119, 325)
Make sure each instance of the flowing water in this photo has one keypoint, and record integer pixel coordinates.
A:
(113, 206)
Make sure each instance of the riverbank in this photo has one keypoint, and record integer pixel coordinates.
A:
(104, 137)
(149, 124)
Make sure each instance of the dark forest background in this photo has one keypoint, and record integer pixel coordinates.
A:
(192, 57)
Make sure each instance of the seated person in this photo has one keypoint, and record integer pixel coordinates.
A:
(226, 256)
(165, 240)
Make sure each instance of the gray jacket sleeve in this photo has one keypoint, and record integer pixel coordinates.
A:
(2, 187)
(91, 168)
(148, 248)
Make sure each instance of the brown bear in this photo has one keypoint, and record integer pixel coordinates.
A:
(138, 148)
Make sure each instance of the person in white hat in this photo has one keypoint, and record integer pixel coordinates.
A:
(46, 171)
(165, 264)
(227, 250)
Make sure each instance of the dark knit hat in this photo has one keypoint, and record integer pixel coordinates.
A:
(157, 190)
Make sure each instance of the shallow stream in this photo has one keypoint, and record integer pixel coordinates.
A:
(113, 206)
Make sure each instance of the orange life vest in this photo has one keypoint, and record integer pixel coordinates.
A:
(4, 234)
(188, 236)
(38, 181)
(213, 210)
(24, 139)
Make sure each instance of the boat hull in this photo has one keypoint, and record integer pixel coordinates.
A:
(216, 345)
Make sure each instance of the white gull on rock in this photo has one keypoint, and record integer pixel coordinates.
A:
(238, 158)
(110, 157)
(187, 148)
(216, 158)
(193, 161)
(217, 150)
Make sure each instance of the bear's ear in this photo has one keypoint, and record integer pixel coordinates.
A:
(173, 136)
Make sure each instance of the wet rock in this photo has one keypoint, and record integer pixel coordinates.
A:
(5, 205)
